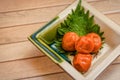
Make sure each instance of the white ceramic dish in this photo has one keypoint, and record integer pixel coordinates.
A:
(110, 51)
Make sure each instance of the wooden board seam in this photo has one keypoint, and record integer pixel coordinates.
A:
(21, 59)
(41, 75)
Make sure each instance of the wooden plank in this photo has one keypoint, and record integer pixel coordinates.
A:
(18, 33)
(23, 50)
(117, 60)
(33, 15)
(6, 5)
(57, 76)
(29, 16)
(15, 5)
(106, 6)
(35, 67)
(43, 66)
(115, 17)
(41, 14)
(28, 68)
(92, 0)
(20, 50)
(111, 73)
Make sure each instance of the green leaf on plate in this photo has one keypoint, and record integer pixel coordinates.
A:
(80, 22)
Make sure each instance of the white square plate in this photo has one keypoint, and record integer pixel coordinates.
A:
(110, 51)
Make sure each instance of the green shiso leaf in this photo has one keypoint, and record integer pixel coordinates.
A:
(80, 22)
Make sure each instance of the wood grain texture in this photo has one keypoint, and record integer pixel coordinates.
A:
(106, 6)
(20, 59)
(19, 33)
(27, 68)
(29, 16)
(117, 60)
(20, 50)
(42, 14)
(16, 5)
(115, 17)
(111, 73)
(23, 31)
(57, 76)
(23, 50)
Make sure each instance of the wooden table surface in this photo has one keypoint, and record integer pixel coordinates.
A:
(20, 59)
